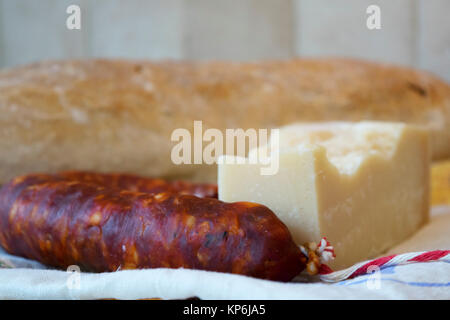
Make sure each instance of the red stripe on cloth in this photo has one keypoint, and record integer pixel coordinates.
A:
(430, 255)
(324, 269)
(377, 262)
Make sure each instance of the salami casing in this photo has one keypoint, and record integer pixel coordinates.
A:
(142, 184)
(62, 222)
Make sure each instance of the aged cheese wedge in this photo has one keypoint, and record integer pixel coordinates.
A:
(364, 186)
(440, 183)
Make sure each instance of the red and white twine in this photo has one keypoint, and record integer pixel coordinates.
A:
(325, 252)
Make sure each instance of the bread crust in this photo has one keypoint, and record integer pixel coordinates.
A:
(118, 115)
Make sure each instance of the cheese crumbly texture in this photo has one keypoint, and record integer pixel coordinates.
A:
(364, 186)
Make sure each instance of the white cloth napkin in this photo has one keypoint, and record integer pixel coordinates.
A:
(24, 279)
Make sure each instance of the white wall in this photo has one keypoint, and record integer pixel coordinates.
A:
(414, 32)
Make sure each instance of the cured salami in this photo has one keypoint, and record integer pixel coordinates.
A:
(61, 221)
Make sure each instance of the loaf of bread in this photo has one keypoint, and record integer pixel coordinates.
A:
(117, 115)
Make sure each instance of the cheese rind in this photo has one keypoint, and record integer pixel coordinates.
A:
(364, 186)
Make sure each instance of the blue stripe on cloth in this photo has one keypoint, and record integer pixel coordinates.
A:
(367, 277)
(409, 283)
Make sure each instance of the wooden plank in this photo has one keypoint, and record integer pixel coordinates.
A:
(238, 29)
(338, 28)
(2, 42)
(36, 30)
(434, 37)
(136, 29)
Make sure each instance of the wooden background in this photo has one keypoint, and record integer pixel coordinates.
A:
(414, 32)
